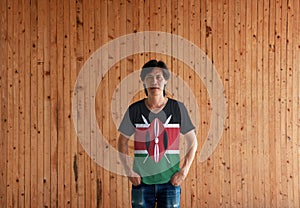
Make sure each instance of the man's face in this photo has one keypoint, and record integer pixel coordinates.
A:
(155, 81)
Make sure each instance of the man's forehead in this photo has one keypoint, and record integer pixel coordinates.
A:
(155, 70)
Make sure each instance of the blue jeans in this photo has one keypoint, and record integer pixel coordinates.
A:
(164, 195)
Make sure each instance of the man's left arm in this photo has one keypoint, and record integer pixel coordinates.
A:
(192, 144)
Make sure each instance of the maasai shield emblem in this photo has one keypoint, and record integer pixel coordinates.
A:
(157, 139)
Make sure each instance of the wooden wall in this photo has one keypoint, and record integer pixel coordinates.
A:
(254, 45)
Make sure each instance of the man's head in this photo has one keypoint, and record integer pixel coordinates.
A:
(154, 75)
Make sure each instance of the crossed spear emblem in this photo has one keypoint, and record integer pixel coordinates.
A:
(156, 139)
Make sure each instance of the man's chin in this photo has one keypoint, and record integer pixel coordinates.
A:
(154, 90)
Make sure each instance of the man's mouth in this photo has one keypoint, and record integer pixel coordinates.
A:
(154, 88)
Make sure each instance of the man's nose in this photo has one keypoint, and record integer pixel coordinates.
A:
(155, 80)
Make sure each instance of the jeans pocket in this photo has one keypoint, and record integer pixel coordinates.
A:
(169, 196)
(136, 187)
(174, 185)
(137, 197)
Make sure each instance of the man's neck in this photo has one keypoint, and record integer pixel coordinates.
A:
(156, 103)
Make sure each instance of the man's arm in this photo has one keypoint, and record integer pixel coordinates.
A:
(123, 150)
(192, 145)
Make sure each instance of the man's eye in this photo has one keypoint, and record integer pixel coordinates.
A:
(159, 77)
(150, 77)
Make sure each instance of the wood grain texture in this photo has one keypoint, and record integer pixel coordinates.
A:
(254, 46)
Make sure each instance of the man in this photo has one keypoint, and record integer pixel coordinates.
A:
(156, 123)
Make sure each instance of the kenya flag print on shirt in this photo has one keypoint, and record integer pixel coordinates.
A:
(156, 139)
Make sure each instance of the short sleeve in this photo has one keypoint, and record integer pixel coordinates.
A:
(186, 124)
(126, 127)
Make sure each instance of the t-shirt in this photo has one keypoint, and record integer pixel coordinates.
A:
(156, 139)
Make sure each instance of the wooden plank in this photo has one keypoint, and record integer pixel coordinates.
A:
(137, 63)
(105, 130)
(40, 101)
(271, 109)
(73, 76)
(60, 105)
(67, 104)
(86, 143)
(254, 105)
(3, 104)
(241, 56)
(128, 64)
(278, 97)
(88, 37)
(10, 189)
(185, 74)
(192, 176)
(202, 182)
(10, 105)
(296, 101)
(209, 79)
(104, 100)
(80, 157)
(16, 126)
(99, 144)
(289, 104)
(78, 164)
(174, 47)
(248, 161)
(238, 143)
(53, 102)
(93, 150)
(93, 78)
(260, 88)
(197, 93)
(183, 94)
(167, 27)
(21, 111)
(27, 149)
(86, 164)
(101, 35)
(232, 115)
(16, 104)
(265, 113)
(146, 20)
(283, 103)
(125, 183)
(95, 30)
(112, 34)
(242, 103)
(154, 21)
(113, 75)
(141, 27)
(180, 94)
(225, 189)
(116, 77)
(162, 25)
(218, 32)
(33, 107)
(94, 143)
(46, 137)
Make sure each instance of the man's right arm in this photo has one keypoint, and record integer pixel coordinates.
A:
(123, 151)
